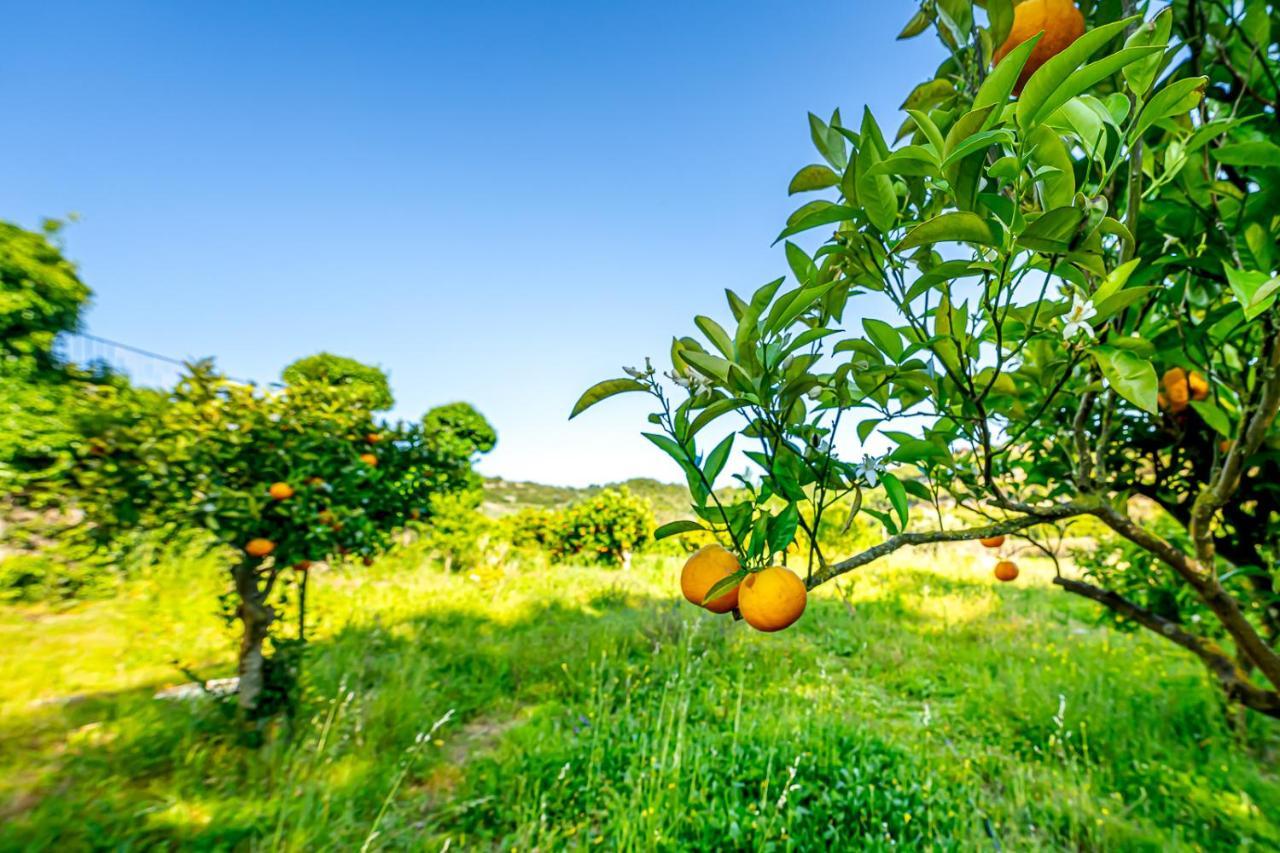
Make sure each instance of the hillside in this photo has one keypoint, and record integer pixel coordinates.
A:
(502, 497)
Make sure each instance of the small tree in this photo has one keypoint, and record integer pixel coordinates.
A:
(283, 477)
(41, 295)
(1080, 294)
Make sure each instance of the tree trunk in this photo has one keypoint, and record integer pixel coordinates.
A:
(256, 618)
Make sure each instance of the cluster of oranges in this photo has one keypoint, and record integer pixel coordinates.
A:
(769, 600)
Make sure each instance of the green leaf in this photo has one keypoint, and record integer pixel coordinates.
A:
(1213, 416)
(897, 496)
(999, 84)
(919, 22)
(710, 413)
(977, 142)
(1054, 231)
(716, 334)
(928, 94)
(707, 364)
(822, 214)
(875, 191)
(717, 458)
(813, 177)
(1178, 98)
(725, 584)
(675, 528)
(782, 528)
(929, 129)
(1044, 84)
(1088, 76)
(885, 337)
(1000, 22)
(1140, 75)
(1260, 153)
(1132, 377)
(1255, 290)
(604, 390)
(1115, 281)
(955, 227)
(1059, 187)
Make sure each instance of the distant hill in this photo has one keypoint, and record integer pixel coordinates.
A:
(502, 497)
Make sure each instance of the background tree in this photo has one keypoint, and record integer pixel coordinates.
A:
(1079, 287)
(328, 369)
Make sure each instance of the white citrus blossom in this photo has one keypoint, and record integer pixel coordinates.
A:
(869, 469)
(1077, 319)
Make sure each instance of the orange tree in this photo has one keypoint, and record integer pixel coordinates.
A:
(1005, 285)
(284, 477)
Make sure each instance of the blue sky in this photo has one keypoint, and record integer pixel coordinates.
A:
(498, 202)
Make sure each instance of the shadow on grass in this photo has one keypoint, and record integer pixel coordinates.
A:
(123, 768)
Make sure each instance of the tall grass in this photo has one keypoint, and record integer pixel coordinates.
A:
(580, 707)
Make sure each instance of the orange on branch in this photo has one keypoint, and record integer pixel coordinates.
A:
(992, 541)
(1177, 390)
(373, 438)
(280, 491)
(369, 459)
(259, 547)
(1059, 20)
(707, 567)
(772, 599)
(1006, 570)
(302, 565)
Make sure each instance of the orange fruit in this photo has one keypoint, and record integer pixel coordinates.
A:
(707, 567)
(316, 481)
(772, 599)
(368, 561)
(373, 438)
(302, 565)
(1199, 386)
(369, 459)
(992, 541)
(1059, 20)
(1006, 570)
(1225, 446)
(259, 547)
(1177, 391)
(280, 491)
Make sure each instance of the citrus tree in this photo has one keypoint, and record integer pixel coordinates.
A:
(1050, 290)
(285, 478)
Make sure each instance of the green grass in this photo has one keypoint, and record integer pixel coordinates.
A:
(581, 707)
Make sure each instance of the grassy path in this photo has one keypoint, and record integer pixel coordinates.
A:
(579, 707)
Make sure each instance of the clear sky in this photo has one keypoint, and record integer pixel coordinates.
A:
(497, 202)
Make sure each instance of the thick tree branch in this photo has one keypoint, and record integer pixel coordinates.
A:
(1235, 682)
(1034, 517)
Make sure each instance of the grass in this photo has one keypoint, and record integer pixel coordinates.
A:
(579, 707)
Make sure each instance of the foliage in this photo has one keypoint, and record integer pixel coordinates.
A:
(209, 458)
(458, 534)
(374, 389)
(41, 295)
(587, 705)
(1041, 263)
(607, 527)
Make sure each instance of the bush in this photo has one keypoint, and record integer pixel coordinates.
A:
(605, 528)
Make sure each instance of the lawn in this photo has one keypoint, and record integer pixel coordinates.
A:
(919, 705)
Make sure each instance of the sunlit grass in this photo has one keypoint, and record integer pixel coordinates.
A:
(919, 701)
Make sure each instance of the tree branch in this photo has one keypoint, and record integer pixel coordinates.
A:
(894, 543)
(1235, 682)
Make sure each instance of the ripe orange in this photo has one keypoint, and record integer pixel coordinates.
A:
(280, 491)
(1180, 388)
(302, 565)
(369, 459)
(373, 438)
(1224, 446)
(1059, 20)
(707, 567)
(1006, 570)
(772, 599)
(259, 547)
(992, 541)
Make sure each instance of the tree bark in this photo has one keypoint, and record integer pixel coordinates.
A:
(256, 617)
